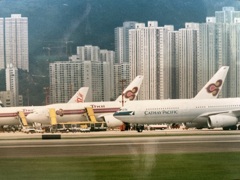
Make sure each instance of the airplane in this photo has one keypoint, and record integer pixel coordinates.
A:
(17, 115)
(87, 111)
(210, 111)
(218, 78)
(215, 85)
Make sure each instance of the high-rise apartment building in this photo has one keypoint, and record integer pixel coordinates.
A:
(187, 60)
(227, 15)
(172, 58)
(177, 64)
(164, 64)
(16, 41)
(2, 61)
(233, 86)
(90, 67)
(122, 56)
(107, 58)
(147, 53)
(65, 80)
(121, 78)
(7, 98)
(218, 46)
(207, 64)
(88, 53)
(122, 41)
(12, 82)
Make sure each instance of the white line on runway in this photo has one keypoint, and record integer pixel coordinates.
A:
(114, 144)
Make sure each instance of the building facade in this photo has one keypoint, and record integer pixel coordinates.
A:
(90, 67)
(2, 57)
(12, 82)
(147, 54)
(16, 41)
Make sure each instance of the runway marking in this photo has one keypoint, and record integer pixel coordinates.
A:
(113, 144)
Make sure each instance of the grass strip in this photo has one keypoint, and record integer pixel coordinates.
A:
(157, 166)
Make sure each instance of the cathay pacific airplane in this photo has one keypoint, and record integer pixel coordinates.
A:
(16, 115)
(72, 112)
(214, 85)
(211, 111)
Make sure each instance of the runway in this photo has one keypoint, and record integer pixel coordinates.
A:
(118, 143)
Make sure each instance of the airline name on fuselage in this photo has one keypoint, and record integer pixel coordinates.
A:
(163, 112)
(98, 106)
(27, 110)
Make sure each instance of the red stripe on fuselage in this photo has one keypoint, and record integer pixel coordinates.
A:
(8, 114)
(13, 114)
(67, 112)
(97, 110)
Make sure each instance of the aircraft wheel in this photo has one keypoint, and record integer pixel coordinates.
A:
(225, 128)
(233, 127)
(140, 128)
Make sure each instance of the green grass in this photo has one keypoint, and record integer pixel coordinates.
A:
(160, 166)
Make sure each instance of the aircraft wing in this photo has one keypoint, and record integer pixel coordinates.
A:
(235, 113)
(212, 113)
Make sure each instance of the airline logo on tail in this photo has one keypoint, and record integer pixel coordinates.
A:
(214, 87)
(80, 98)
(130, 94)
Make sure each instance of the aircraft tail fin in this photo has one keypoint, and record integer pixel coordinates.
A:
(131, 92)
(80, 95)
(213, 87)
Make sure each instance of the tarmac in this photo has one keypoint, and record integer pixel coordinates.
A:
(109, 143)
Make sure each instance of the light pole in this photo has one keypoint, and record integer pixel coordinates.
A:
(122, 81)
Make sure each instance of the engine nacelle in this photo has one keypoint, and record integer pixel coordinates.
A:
(40, 115)
(221, 120)
(196, 125)
(112, 122)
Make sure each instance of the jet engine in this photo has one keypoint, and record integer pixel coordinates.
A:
(222, 120)
(195, 125)
(40, 115)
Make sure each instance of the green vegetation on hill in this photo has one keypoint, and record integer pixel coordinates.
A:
(54, 22)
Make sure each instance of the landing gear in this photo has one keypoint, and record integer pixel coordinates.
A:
(234, 127)
(139, 127)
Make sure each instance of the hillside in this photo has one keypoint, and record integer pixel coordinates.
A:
(54, 22)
